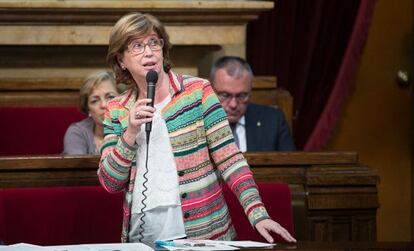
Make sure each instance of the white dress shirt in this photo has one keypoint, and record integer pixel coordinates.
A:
(241, 133)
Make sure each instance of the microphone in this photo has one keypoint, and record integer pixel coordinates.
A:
(152, 78)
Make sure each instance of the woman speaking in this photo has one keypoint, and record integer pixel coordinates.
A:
(173, 183)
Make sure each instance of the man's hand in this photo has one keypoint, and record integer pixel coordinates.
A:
(264, 227)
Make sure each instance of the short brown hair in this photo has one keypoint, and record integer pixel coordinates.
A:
(89, 84)
(128, 27)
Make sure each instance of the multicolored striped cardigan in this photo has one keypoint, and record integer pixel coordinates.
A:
(204, 152)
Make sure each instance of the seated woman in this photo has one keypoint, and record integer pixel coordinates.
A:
(86, 136)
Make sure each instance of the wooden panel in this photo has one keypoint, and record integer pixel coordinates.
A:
(343, 246)
(364, 227)
(39, 99)
(37, 89)
(323, 210)
(51, 45)
(82, 35)
(301, 158)
(328, 175)
(351, 197)
(337, 226)
(341, 229)
(320, 227)
(64, 81)
(107, 12)
(35, 84)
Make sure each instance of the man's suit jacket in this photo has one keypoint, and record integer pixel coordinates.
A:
(267, 129)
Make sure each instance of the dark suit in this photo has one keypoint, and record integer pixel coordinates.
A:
(267, 129)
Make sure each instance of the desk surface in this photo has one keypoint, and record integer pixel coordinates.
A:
(343, 246)
(338, 246)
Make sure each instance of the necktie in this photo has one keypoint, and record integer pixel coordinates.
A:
(233, 130)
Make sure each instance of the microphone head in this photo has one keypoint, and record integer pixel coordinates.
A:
(152, 76)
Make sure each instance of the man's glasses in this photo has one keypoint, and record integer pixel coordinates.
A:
(240, 97)
(137, 47)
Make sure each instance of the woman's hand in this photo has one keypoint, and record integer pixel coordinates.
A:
(139, 114)
(264, 227)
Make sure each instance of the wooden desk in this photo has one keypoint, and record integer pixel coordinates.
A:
(335, 246)
(340, 246)
(343, 246)
(334, 198)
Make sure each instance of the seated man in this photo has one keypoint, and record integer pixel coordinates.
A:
(255, 127)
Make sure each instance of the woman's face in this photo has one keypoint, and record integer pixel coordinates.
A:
(99, 98)
(143, 54)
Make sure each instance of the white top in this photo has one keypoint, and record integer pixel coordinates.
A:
(163, 215)
(241, 133)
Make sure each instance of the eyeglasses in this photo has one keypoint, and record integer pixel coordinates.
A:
(137, 47)
(240, 97)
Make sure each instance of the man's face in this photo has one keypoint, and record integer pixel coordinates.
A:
(233, 93)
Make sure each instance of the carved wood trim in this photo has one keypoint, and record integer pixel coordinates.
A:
(301, 158)
(107, 12)
(39, 99)
(74, 83)
(256, 159)
(39, 91)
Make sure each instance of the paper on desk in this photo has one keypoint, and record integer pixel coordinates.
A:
(103, 247)
(23, 247)
(202, 248)
(216, 245)
(85, 247)
(197, 245)
(243, 244)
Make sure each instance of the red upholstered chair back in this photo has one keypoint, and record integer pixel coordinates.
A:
(89, 214)
(35, 130)
(60, 215)
(277, 199)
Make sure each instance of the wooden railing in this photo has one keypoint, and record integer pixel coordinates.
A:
(65, 92)
(334, 198)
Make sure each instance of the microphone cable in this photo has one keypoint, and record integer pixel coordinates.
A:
(142, 221)
(151, 78)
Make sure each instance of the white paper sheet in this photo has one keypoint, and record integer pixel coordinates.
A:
(244, 244)
(185, 244)
(83, 247)
(23, 247)
(104, 247)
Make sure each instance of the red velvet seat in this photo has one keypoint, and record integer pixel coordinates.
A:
(60, 215)
(89, 214)
(277, 199)
(35, 130)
